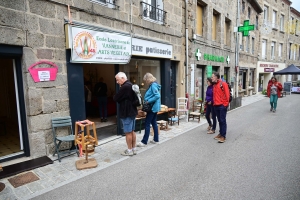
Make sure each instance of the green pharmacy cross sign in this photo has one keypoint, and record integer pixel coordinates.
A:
(246, 28)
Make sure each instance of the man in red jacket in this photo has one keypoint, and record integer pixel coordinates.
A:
(221, 96)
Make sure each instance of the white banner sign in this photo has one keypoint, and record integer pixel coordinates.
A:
(99, 47)
(151, 49)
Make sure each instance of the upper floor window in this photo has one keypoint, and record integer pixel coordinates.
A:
(281, 22)
(263, 49)
(199, 21)
(274, 19)
(153, 10)
(243, 6)
(214, 27)
(227, 33)
(256, 23)
(280, 50)
(272, 50)
(108, 3)
(266, 13)
(249, 12)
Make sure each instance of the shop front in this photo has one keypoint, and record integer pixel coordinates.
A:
(206, 64)
(107, 54)
(265, 73)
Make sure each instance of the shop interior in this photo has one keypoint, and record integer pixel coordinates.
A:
(134, 70)
(10, 136)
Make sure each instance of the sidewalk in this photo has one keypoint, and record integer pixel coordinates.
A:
(61, 173)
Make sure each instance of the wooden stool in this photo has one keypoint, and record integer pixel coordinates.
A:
(162, 124)
(88, 139)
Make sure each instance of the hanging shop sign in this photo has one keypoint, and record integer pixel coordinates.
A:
(43, 74)
(151, 49)
(90, 46)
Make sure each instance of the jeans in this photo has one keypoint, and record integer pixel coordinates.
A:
(102, 103)
(221, 112)
(210, 109)
(273, 101)
(150, 119)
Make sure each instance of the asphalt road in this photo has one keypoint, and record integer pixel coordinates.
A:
(259, 160)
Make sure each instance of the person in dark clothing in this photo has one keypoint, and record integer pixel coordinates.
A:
(210, 108)
(127, 112)
(100, 91)
(88, 96)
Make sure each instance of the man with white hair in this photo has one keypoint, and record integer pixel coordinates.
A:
(127, 111)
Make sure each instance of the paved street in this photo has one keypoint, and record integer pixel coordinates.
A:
(259, 160)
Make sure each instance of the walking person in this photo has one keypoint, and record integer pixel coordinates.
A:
(221, 97)
(210, 111)
(152, 96)
(127, 112)
(101, 93)
(274, 92)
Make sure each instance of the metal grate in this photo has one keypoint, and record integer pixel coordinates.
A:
(153, 13)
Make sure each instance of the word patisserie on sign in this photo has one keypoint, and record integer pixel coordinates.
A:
(99, 47)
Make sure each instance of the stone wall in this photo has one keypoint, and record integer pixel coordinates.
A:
(39, 27)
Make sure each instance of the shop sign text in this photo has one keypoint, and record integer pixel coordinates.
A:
(99, 47)
(209, 57)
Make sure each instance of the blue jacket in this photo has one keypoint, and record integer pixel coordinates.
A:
(152, 96)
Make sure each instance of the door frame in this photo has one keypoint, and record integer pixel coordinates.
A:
(15, 53)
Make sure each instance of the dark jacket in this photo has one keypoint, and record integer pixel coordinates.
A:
(209, 94)
(125, 97)
(100, 89)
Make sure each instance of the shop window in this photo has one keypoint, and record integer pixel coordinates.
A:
(137, 68)
(153, 10)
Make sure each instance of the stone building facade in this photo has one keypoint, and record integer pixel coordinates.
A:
(249, 47)
(274, 41)
(211, 43)
(33, 30)
(294, 43)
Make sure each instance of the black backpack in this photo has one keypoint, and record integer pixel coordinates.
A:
(230, 92)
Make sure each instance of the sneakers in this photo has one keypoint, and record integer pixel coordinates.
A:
(133, 152)
(211, 132)
(221, 139)
(217, 137)
(274, 110)
(140, 144)
(271, 109)
(208, 128)
(127, 153)
(153, 142)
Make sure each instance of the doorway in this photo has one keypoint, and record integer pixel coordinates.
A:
(11, 137)
(93, 74)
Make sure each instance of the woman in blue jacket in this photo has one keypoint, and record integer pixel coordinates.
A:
(152, 96)
(210, 109)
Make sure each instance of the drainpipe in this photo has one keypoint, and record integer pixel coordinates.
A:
(186, 46)
(237, 49)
